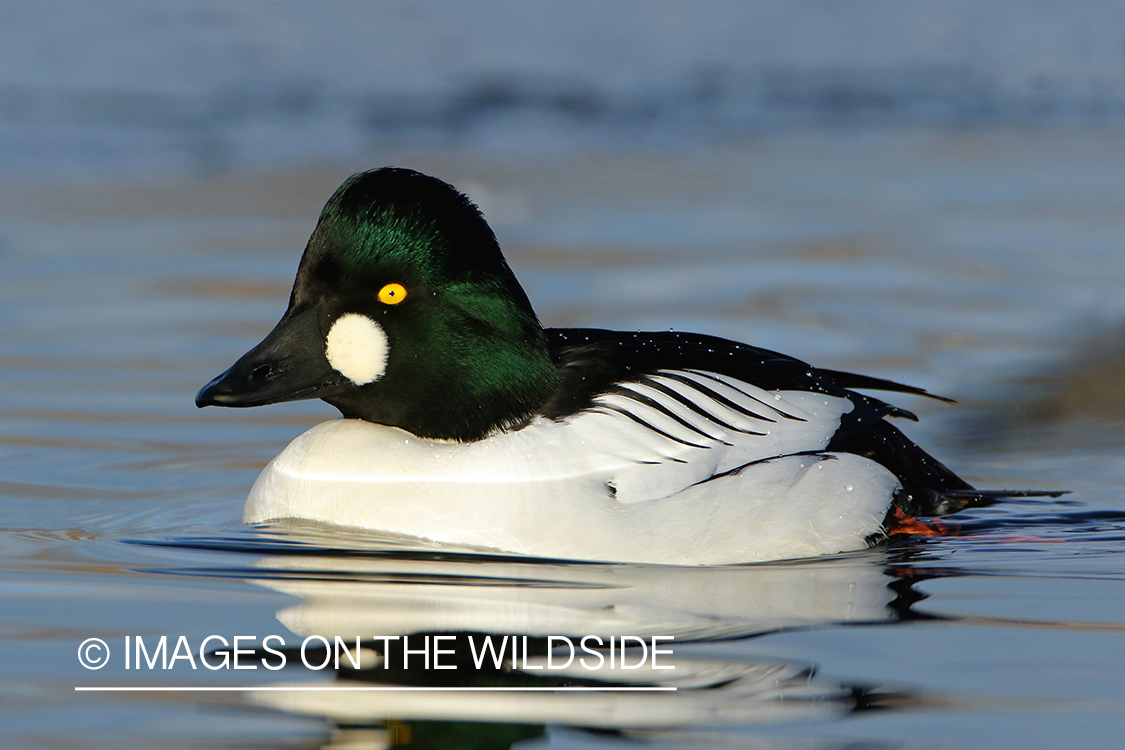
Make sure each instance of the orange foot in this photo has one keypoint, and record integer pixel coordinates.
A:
(900, 523)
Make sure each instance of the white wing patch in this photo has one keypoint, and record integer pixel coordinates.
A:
(680, 427)
(357, 348)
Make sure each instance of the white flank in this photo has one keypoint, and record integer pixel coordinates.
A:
(602, 485)
(357, 348)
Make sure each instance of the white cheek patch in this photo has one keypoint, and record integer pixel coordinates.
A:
(357, 348)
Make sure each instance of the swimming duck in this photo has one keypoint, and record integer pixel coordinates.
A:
(466, 422)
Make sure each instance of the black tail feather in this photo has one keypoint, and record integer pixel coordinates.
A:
(929, 487)
(927, 502)
(1002, 494)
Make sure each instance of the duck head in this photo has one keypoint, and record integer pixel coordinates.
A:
(403, 313)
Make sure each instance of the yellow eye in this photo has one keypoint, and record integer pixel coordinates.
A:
(392, 294)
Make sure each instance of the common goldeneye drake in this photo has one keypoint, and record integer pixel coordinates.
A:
(467, 423)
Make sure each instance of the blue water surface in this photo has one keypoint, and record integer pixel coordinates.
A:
(930, 194)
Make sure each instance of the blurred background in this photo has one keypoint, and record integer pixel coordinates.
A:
(928, 192)
(210, 87)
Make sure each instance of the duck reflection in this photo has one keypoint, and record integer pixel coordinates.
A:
(568, 623)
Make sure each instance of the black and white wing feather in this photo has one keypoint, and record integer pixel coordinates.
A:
(697, 406)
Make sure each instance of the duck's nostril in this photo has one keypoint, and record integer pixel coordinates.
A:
(261, 372)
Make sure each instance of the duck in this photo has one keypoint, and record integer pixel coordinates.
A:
(465, 422)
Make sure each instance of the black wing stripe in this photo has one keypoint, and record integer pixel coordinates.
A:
(688, 403)
(819, 454)
(657, 406)
(854, 380)
(709, 376)
(610, 411)
(645, 424)
(717, 397)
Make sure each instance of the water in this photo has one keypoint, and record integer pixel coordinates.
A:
(207, 86)
(741, 170)
(985, 266)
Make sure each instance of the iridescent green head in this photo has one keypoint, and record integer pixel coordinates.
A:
(403, 313)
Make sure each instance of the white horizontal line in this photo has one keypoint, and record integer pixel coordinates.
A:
(386, 689)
